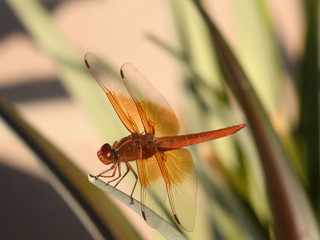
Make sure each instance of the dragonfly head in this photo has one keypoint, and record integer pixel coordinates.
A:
(106, 154)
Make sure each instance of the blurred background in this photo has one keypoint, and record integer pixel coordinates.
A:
(121, 31)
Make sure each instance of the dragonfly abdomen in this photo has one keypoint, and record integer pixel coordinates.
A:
(174, 142)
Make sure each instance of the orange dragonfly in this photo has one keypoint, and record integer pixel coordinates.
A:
(164, 168)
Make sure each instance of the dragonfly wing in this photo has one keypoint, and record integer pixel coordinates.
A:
(117, 93)
(155, 112)
(179, 174)
(152, 189)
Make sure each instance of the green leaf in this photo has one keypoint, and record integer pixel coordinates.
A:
(258, 51)
(287, 198)
(309, 129)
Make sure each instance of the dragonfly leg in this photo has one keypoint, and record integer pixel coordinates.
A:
(122, 177)
(119, 175)
(115, 166)
(101, 174)
(113, 173)
(135, 184)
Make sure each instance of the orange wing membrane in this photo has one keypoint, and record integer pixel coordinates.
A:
(172, 172)
(179, 174)
(155, 112)
(140, 107)
(116, 92)
(153, 188)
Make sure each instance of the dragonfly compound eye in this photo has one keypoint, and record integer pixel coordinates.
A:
(106, 154)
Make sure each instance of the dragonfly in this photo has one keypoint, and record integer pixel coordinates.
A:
(164, 168)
